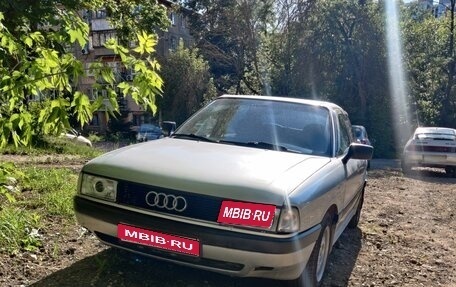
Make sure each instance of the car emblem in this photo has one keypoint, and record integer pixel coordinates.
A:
(166, 201)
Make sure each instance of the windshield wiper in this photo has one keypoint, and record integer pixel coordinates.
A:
(263, 145)
(192, 136)
(266, 145)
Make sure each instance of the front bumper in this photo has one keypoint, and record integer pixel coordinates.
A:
(224, 250)
(429, 159)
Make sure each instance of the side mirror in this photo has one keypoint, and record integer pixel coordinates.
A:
(358, 151)
(168, 127)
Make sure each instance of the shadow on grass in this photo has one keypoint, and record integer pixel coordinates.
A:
(114, 267)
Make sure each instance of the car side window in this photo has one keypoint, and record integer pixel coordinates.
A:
(344, 134)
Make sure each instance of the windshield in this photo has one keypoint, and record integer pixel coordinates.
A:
(278, 125)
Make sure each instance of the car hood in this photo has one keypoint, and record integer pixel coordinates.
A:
(241, 173)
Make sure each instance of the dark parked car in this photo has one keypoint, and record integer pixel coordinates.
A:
(168, 127)
(248, 186)
(360, 134)
(148, 132)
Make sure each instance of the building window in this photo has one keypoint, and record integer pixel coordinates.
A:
(133, 43)
(173, 45)
(115, 66)
(93, 94)
(99, 38)
(95, 120)
(138, 120)
(182, 22)
(100, 14)
(172, 18)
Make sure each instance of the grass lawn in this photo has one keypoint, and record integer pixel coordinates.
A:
(34, 191)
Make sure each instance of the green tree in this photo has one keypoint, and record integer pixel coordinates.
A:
(431, 61)
(230, 35)
(287, 51)
(35, 63)
(425, 51)
(187, 84)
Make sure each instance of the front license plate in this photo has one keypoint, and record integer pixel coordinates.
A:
(246, 213)
(158, 239)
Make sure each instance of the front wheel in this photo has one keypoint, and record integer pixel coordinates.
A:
(312, 276)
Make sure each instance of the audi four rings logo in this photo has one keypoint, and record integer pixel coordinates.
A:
(167, 201)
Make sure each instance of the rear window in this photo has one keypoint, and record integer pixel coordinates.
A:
(436, 136)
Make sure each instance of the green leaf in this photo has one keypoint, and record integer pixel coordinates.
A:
(28, 41)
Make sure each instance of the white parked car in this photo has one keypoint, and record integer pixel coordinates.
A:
(248, 186)
(431, 147)
(76, 137)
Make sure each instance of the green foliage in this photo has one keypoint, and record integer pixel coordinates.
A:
(17, 228)
(45, 192)
(426, 46)
(54, 145)
(131, 16)
(53, 190)
(36, 66)
(211, 92)
(95, 137)
(331, 51)
(9, 176)
(188, 82)
(229, 36)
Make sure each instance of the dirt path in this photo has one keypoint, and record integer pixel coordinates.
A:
(406, 238)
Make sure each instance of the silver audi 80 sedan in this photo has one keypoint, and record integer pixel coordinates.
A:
(248, 186)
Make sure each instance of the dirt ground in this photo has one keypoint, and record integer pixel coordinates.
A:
(406, 237)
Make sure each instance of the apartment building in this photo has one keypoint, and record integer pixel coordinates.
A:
(439, 8)
(100, 32)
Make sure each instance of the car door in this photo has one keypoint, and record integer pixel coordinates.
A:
(354, 169)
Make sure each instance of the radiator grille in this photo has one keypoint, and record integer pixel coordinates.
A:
(198, 206)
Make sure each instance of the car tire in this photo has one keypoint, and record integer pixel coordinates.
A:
(355, 219)
(313, 273)
(450, 171)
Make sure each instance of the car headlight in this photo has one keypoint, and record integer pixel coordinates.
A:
(289, 220)
(99, 187)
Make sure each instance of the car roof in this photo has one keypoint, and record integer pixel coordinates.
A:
(429, 130)
(328, 105)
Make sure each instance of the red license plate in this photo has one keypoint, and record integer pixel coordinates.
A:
(247, 214)
(158, 239)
